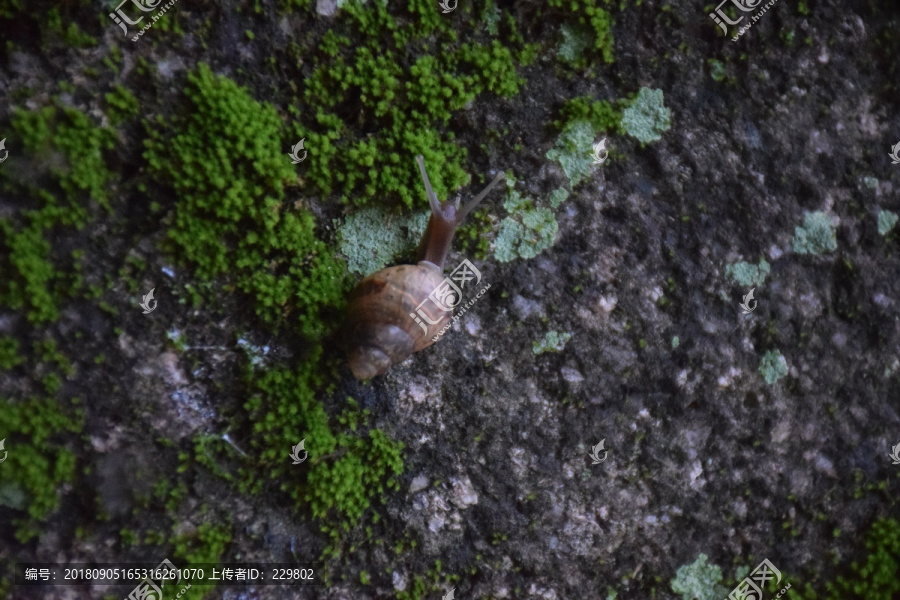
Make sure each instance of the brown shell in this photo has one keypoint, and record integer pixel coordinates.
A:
(380, 329)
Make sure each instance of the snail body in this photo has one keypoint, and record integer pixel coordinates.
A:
(383, 325)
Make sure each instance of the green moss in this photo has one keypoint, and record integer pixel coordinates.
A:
(53, 131)
(9, 353)
(371, 238)
(206, 545)
(602, 115)
(222, 156)
(122, 105)
(346, 471)
(886, 221)
(699, 581)
(404, 81)
(875, 577)
(746, 274)
(66, 151)
(773, 366)
(553, 341)
(56, 28)
(31, 284)
(816, 236)
(589, 26)
(647, 118)
(35, 467)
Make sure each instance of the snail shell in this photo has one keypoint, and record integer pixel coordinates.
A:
(392, 295)
(382, 326)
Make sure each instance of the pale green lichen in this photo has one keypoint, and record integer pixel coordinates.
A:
(574, 44)
(699, 581)
(528, 231)
(557, 197)
(647, 118)
(816, 236)
(886, 221)
(675, 342)
(573, 150)
(371, 239)
(553, 341)
(870, 182)
(773, 366)
(746, 274)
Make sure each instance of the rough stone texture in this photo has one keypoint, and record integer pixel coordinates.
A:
(704, 456)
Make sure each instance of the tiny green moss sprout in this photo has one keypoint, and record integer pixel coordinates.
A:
(553, 341)
(122, 105)
(699, 581)
(817, 235)
(773, 366)
(886, 221)
(647, 118)
(747, 274)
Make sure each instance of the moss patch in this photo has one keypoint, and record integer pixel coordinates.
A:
(224, 160)
(37, 465)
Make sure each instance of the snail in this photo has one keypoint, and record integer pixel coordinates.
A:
(382, 327)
